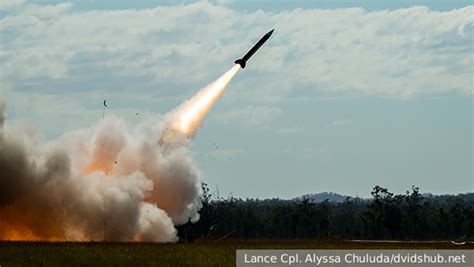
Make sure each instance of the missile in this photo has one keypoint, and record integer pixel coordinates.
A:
(243, 61)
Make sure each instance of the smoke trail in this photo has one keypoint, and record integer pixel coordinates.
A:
(73, 187)
(186, 119)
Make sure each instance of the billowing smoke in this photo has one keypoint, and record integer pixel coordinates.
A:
(104, 181)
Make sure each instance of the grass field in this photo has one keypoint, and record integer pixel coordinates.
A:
(202, 253)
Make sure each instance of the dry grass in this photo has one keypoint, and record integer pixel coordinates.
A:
(201, 253)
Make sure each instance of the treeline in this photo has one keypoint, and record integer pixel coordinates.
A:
(386, 216)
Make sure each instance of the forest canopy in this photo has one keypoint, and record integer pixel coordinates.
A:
(385, 216)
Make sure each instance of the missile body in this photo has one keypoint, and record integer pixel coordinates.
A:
(242, 62)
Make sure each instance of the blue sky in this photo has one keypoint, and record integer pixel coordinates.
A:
(340, 99)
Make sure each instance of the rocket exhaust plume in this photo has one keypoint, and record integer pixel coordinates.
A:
(104, 177)
(186, 119)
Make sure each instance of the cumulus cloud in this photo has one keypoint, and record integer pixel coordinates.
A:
(399, 53)
(168, 52)
(9, 4)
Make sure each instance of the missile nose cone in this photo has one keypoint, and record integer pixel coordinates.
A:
(270, 32)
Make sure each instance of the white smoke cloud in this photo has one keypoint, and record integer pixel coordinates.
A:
(66, 189)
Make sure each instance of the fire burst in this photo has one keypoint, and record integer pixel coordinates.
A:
(70, 187)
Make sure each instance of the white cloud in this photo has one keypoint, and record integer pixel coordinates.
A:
(9, 4)
(171, 51)
(250, 116)
(397, 53)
